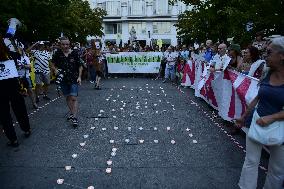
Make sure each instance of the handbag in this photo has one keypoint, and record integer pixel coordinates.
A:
(270, 135)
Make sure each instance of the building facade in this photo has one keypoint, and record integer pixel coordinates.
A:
(151, 19)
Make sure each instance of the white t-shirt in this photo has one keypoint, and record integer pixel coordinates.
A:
(42, 59)
(171, 58)
(24, 61)
(8, 70)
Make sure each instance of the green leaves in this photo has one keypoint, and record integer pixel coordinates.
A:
(220, 19)
(46, 19)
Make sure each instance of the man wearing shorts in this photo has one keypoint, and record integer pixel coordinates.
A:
(66, 63)
(42, 71)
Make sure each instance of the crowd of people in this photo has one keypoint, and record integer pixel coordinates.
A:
(219, 56)
(261, 59)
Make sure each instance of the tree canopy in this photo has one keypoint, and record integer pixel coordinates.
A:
(46, 19)
(221, 19)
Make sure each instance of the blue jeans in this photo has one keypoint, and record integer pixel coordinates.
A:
(69, 89)
(92, 71)
(170, 72)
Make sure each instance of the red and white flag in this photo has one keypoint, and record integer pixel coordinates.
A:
(205, 87)
(199, 69)
(233, 92)
(189, 74)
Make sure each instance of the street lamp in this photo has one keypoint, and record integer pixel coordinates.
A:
(149, 38)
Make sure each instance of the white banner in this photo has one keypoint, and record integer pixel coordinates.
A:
(134, 62)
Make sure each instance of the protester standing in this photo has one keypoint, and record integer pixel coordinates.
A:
(208, 54)
(221, 60)
(42, 72)
(184, 53)
(270, 108)
(235, 55)
(67, 64)
(259, 42)
(98, 64)
(170, 58)
(253, 65)
(10, 94)
(24, 66)
(89, 58)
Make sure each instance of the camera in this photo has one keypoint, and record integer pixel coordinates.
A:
(59, 77)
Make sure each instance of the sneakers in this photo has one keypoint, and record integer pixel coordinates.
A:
(71, 116)
(165, 80)
(97, 88)
(75, 122)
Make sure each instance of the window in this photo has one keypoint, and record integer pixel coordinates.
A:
(113, 28)
(161, 27)
(112, 8)
(160, 7)
(140, 27)
(136, 7)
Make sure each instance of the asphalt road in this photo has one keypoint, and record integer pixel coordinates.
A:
(163, 138)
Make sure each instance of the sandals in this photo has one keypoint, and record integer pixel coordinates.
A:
(97, 87)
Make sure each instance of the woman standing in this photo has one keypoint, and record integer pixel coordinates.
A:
(10, 94)
(270, 108)
(89, 58)
(253, 65)
(98, 63)
(235, 55)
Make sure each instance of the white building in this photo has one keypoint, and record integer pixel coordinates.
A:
(152, 20)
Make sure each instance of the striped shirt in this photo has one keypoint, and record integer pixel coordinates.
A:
(42, 59)
(23, 72)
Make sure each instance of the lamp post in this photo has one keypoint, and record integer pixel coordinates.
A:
(149, 38)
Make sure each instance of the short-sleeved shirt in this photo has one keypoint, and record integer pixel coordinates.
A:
(24, 60)
(271, 98)
(171, 58)
(208, 54)
(68, 64)
(42, 59)
(185, 54)
(89, 57)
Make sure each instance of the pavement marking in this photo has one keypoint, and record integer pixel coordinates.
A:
(237, 144)
(113, 152)
(43, 106)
